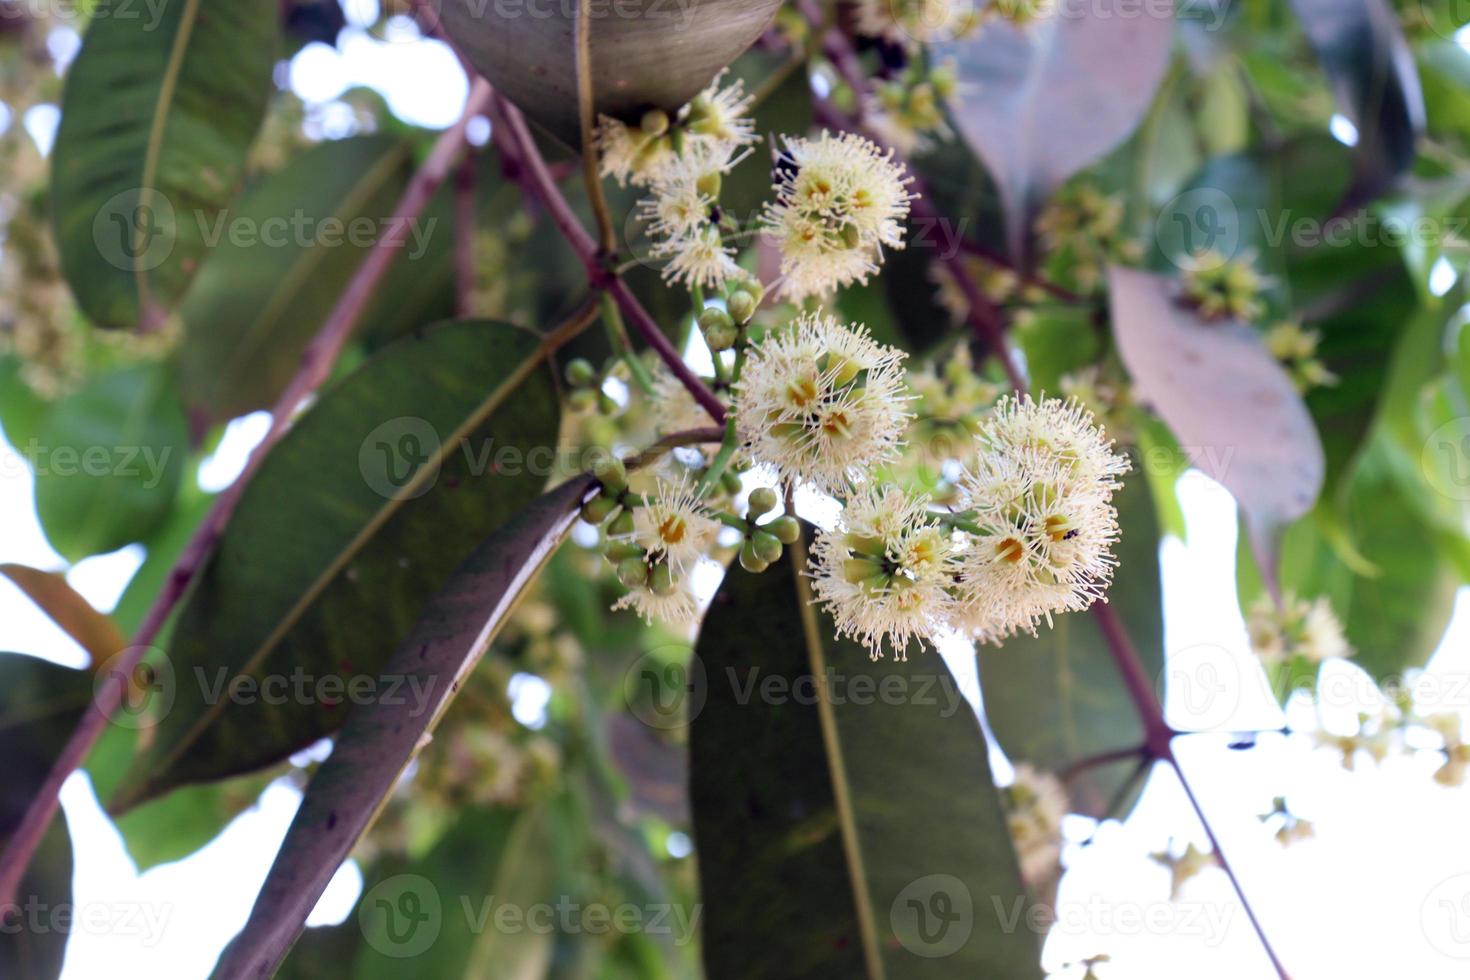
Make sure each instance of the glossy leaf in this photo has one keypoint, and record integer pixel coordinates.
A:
(108, 459)
(796, 885)
(1056, 698)
(381, 738)
(1223, 396)
(40, 703)
(93, 631)
(1040, 103)
(353, 522)
(1363, 50)
(160, 109)
(279, 263)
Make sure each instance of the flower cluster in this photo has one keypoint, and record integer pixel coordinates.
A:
(683, 216)
(1041, 520)
(1083, 229)
(839, 201)
(912, 23)
(886, 571)
(822, 402)
(1296, 348)
(1035, 804)
(1219, 289)
(1295, 628)
(908, 112)
(715, 124)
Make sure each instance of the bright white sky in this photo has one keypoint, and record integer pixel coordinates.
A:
(1383, 890)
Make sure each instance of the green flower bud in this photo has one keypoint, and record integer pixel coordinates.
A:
(611, 473)
(766, 547)
(598, 509)
(655, 122)
(709, 184)
(607, 404)
(730, 481)
(742, 306)
(661, 579)
(582, 400)
(750, 561)
(851, 237)
(622, 525)
(763, 500)
(633, 573)
(785, 528)
(618, 551)
(580, 372)
(719, 329)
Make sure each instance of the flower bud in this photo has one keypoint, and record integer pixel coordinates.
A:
(742, 306)
(580, 372)
(661, 579)
(655, 123)
(582, 400)
(618, 551)
(763, 500)
(622, 525)
(598, 509)
(719, 329)
(633, 573)
(785, 528)
(611, 473)
(730, 481)
(750, 561)
(765, 546)
(607, 404)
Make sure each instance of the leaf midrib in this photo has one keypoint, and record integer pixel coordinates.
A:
(358, 542)
(154, 148)
(837, 766)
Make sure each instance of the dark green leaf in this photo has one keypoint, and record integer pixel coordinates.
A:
(161, 106)
(1363, 50)
(351, 524)
(382, 737)
(278, 266)
(915, 867)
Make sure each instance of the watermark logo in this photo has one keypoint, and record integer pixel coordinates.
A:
(933, 916)
(399, 459)
(1203, 682)
(401, 916)
(666, 688)
(1445, 459)
(1199, 230)
(1445, 917)
(135, 230)
(149, 687)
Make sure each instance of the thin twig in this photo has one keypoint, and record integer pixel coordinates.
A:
(316, 364)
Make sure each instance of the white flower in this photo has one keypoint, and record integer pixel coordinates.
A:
(1036, 802)
(674, 608)
(673, 527)
(1040, 519)
(1295, 628)
(884, 573)
(674, 407)
(839, 201)
(701, 259)
(913, 22)
(823, 403)
(720, 115)
(628, 154)
(681, 216)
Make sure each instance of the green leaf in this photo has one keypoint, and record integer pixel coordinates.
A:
(1363, 50)
(797, 882)
(660, 56)
(1223, 396)
(108, 460)
(1056, 698)
(352, 523)
(160, 108)
(1058, 95)
(40, 703)
(164, 545)
(1056, 340)
(381, 738)
(278, 267)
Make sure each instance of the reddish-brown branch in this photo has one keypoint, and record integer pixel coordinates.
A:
(316, 364)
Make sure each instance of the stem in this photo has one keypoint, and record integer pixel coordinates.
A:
(617, 336)
(316, 364)
(689, 437)
(582, 27)
(722, 459)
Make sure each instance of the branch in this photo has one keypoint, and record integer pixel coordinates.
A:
(582, 21)
(316, 364)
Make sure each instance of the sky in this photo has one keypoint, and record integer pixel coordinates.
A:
(1383, 890)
